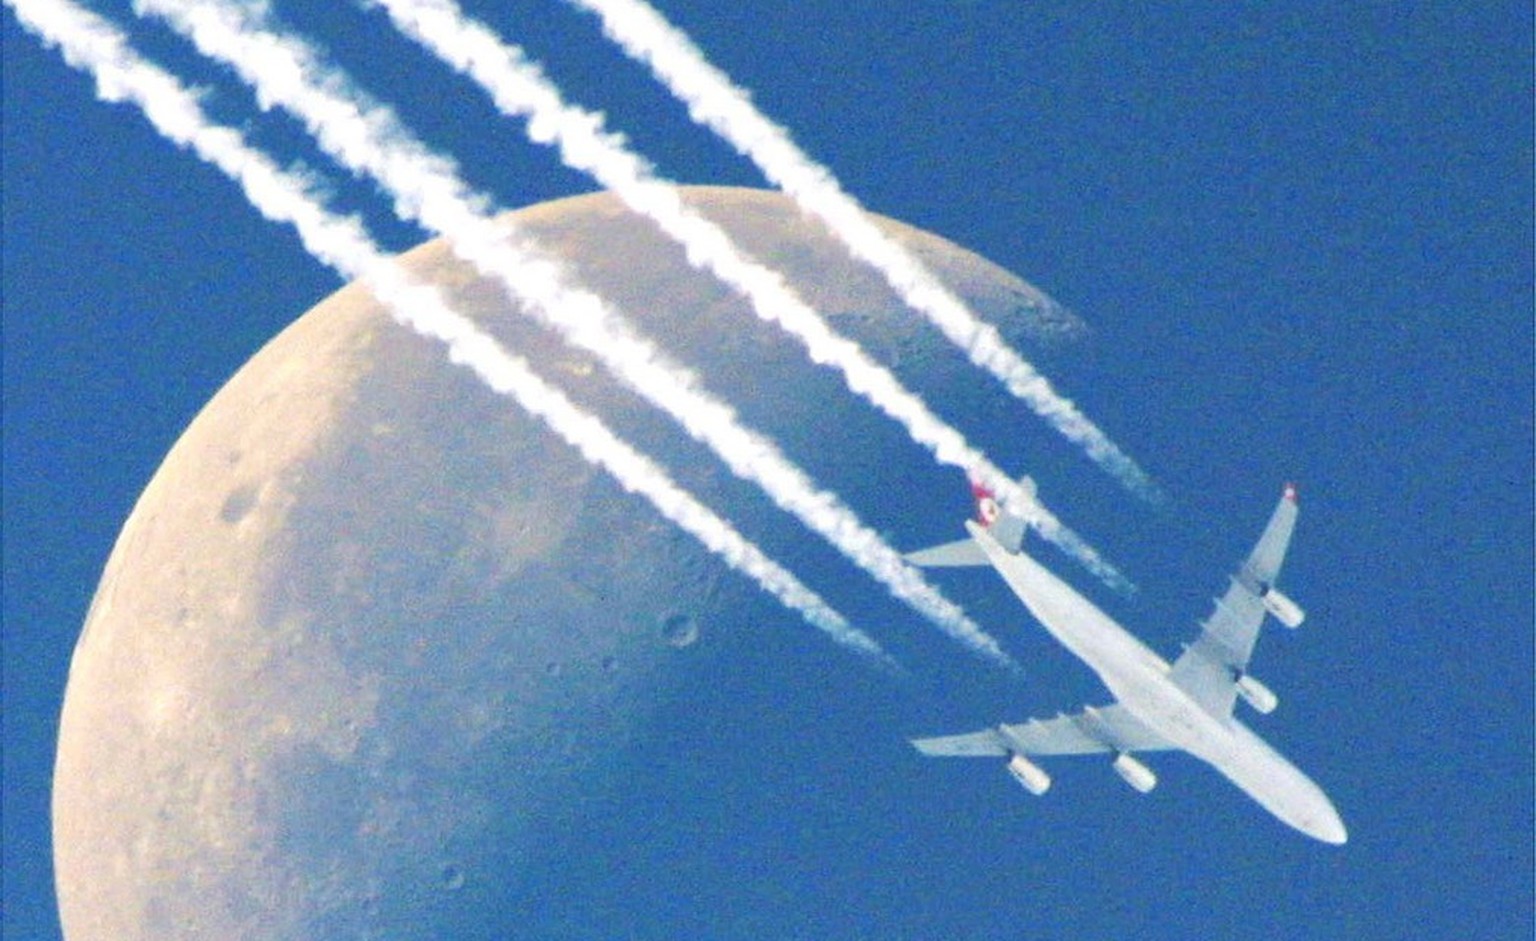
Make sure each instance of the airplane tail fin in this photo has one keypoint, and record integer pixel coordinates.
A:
(1006, 527)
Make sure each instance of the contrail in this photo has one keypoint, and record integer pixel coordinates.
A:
(368, 139)
(716, 102)
(95, 46)
(520, 90)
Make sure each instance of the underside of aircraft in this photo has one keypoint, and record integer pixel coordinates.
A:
(1187, 705)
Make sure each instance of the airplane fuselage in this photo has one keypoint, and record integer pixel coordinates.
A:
(1139, 680)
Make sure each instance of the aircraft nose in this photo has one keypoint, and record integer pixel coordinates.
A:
(1330, 829)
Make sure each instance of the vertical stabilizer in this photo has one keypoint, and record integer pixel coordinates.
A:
(1006, 525)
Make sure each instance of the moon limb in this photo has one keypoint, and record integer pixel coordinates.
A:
(374, 650)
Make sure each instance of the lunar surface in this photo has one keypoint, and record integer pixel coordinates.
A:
(377, 655)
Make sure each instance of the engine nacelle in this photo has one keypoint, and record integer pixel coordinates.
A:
(1029, 774)
(1256, 694)
(1136, 774)
(1285, 610)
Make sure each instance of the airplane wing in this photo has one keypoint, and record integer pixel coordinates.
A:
(983, 744)
(1210, 668)
(1092, 731)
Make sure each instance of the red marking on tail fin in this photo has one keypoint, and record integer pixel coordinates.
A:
(1290, 492)
(987, 510)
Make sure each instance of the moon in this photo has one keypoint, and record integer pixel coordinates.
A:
(377, 655)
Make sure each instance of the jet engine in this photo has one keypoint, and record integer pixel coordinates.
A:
(1029, 774)
(1285, 610)
(1256, 694)
(1136, 774)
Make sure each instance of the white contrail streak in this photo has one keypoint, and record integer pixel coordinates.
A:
(368, 139)
(95, 46)
(520, 89)
(714, 101)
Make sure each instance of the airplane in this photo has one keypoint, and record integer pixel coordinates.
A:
(1187, 705)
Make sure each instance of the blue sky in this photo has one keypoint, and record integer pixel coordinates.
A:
(1301, 233)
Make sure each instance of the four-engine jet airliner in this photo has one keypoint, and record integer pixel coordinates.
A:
(1186, 705)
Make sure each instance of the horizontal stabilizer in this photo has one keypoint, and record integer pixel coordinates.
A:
(959, 554)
